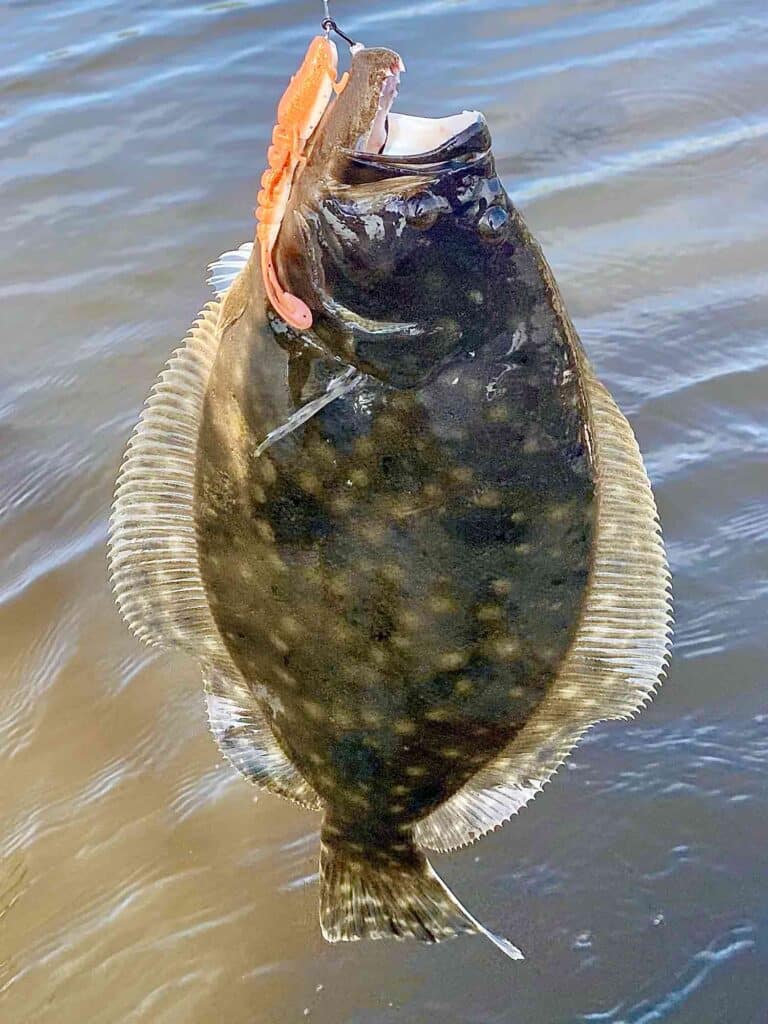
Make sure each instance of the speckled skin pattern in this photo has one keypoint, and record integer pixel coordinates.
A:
(398, 579)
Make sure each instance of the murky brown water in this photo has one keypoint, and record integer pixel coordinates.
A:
(144, 882)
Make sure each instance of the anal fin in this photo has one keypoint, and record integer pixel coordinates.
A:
(247, 741)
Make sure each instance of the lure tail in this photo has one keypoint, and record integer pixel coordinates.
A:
(376, 893)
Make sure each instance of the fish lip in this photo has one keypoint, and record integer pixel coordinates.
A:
(374, 143)
(372, 148)
(376, 139)
(472, 145)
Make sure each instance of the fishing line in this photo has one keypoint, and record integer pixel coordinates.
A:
(329, 25)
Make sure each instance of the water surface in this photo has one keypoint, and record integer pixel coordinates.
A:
(142, 880)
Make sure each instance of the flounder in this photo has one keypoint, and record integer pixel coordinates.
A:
(414, 549)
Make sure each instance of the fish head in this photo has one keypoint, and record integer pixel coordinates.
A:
(398, 231)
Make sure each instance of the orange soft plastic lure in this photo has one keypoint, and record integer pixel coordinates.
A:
(298, 114)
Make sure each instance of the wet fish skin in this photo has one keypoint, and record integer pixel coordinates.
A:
(404, 572)
(401, 576)
(409, 605)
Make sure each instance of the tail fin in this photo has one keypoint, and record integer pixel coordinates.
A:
(370, 893)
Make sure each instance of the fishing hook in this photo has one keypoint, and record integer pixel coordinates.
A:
(329, 25)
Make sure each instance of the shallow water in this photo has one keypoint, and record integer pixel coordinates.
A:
(141, 880)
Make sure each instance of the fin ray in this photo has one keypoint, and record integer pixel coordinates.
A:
(619, 653)
(224, 270)
(399, 896)
(154, 565)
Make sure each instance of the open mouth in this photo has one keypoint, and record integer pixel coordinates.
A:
(396, 134)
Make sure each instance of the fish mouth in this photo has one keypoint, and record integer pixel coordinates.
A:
(397, 135)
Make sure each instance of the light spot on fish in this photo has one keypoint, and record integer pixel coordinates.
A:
(439, 715)
(374, 227)
(505, 649)
(267, 471)
(342, 505)
(452, 660)
(275, 562)
(502, 587)
(264, 531)
(309, 482)
(290, 626)
(442, 605)
(558, 513)
(339, 586)
(549, 655)
(462, 474)
(364, 447)
(387, 424)
(416, 771)
(234, 424)
(359, 478)
(393, 573)
(409, 620)
(451, 753)
(278, 643)
(378, 655)
(350, 672)
(405, 727)
(487, 499)
(285, 677)
(272, 701)
(462, 687)
(342, 719)
(476, 296)
(490, 613)
(402, 643)
(357, 799)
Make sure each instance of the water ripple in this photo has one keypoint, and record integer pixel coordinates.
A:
(659, 155)
(687, 982)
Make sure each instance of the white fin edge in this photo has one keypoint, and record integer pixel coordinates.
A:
(154, 564)
(619, 654)
(224, 271)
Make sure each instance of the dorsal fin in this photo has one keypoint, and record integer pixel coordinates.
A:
(618, 656)
(224, 270)
(154, 566)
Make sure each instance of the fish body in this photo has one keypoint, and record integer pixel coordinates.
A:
(414, 549)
